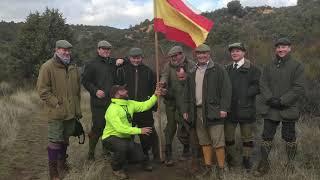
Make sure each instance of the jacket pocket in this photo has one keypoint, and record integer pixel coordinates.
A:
(245, 112)
(57, 113)
(213, 111)
(290, 113)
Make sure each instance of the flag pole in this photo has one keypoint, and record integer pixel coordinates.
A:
(156, 44)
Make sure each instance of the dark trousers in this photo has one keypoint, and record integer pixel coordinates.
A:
(124, 149)
(98, 121)
(145, 119)
(288, 131)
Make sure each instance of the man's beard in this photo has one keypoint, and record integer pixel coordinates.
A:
(64, 59)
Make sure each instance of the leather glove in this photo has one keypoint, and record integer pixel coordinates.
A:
(274, 103)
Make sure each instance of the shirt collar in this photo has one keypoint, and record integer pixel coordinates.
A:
(240, 63)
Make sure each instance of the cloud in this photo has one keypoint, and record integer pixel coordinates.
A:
(115, 13)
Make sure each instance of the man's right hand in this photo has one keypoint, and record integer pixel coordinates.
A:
(100, 94)
(185, 116)
(146, 130)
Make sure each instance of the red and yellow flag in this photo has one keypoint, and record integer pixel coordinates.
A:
(180, 23)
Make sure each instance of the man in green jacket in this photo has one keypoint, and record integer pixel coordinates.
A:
(281, 84)
(207, 99)
(171, 82)
(118, 131)
(97, 78)
(59, 87)
(244, 77)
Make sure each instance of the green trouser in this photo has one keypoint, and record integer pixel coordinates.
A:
(174, 121)
(246, 130)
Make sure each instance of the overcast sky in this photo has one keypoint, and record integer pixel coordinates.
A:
(115, 13)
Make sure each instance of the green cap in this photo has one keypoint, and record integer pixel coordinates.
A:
(135, 52)
(63, 44)
(104, 44)
(203, 48)
(237, 45)
(175, 50)
(282, 41)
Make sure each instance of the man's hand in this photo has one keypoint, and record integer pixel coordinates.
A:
(146, 130)
(223, 114)
(274, 103)
(100, 94)
(185, 116)
(162, 84)
(119, 62)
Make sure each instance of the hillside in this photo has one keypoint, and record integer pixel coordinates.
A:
(257, 27)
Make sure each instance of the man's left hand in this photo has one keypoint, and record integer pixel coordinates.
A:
(223, 114)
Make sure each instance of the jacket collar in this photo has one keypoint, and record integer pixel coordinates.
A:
(210, 65)
(105, 60)
(282, 60)
(121, 102)
(57, 62)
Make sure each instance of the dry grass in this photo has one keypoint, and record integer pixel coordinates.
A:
(12, 109)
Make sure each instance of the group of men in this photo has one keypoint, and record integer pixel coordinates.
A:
(204, 104)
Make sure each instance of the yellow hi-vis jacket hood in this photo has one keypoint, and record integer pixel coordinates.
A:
(117, 123)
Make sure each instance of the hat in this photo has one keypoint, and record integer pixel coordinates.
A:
(63, 44)
(115, 88)
(237, 45)
(203, 48)
(282, 41)
(135, 52)
(175, 50)
(104, 44)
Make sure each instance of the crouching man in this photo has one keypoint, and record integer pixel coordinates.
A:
(118, 133)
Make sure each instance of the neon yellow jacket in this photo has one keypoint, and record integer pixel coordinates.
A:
(117, 123)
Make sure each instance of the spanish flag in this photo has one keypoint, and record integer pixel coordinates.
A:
(178, 22)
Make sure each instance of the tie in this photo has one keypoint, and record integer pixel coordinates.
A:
(235, 66)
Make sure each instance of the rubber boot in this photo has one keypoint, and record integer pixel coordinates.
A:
(93, 140)
(264, 164)
(220, 154)
(62, 165)
(291, 149)
(185, 153)
(52, 163)
(168, 152)
(230, 154)
(146, 164)
(247, 152)
(195, 162)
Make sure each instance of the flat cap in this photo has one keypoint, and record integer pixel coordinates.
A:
(237, 45)
(282, 41)
(175, 50)
(203, 48)
(63, 44)
(104, 44)
(115, 88)
(135, 52)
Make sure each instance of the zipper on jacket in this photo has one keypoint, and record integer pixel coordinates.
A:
(136, 84)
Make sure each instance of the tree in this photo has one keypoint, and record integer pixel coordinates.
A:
(235, 8)
(36, 41)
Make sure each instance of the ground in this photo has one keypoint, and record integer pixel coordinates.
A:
(26, 157)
